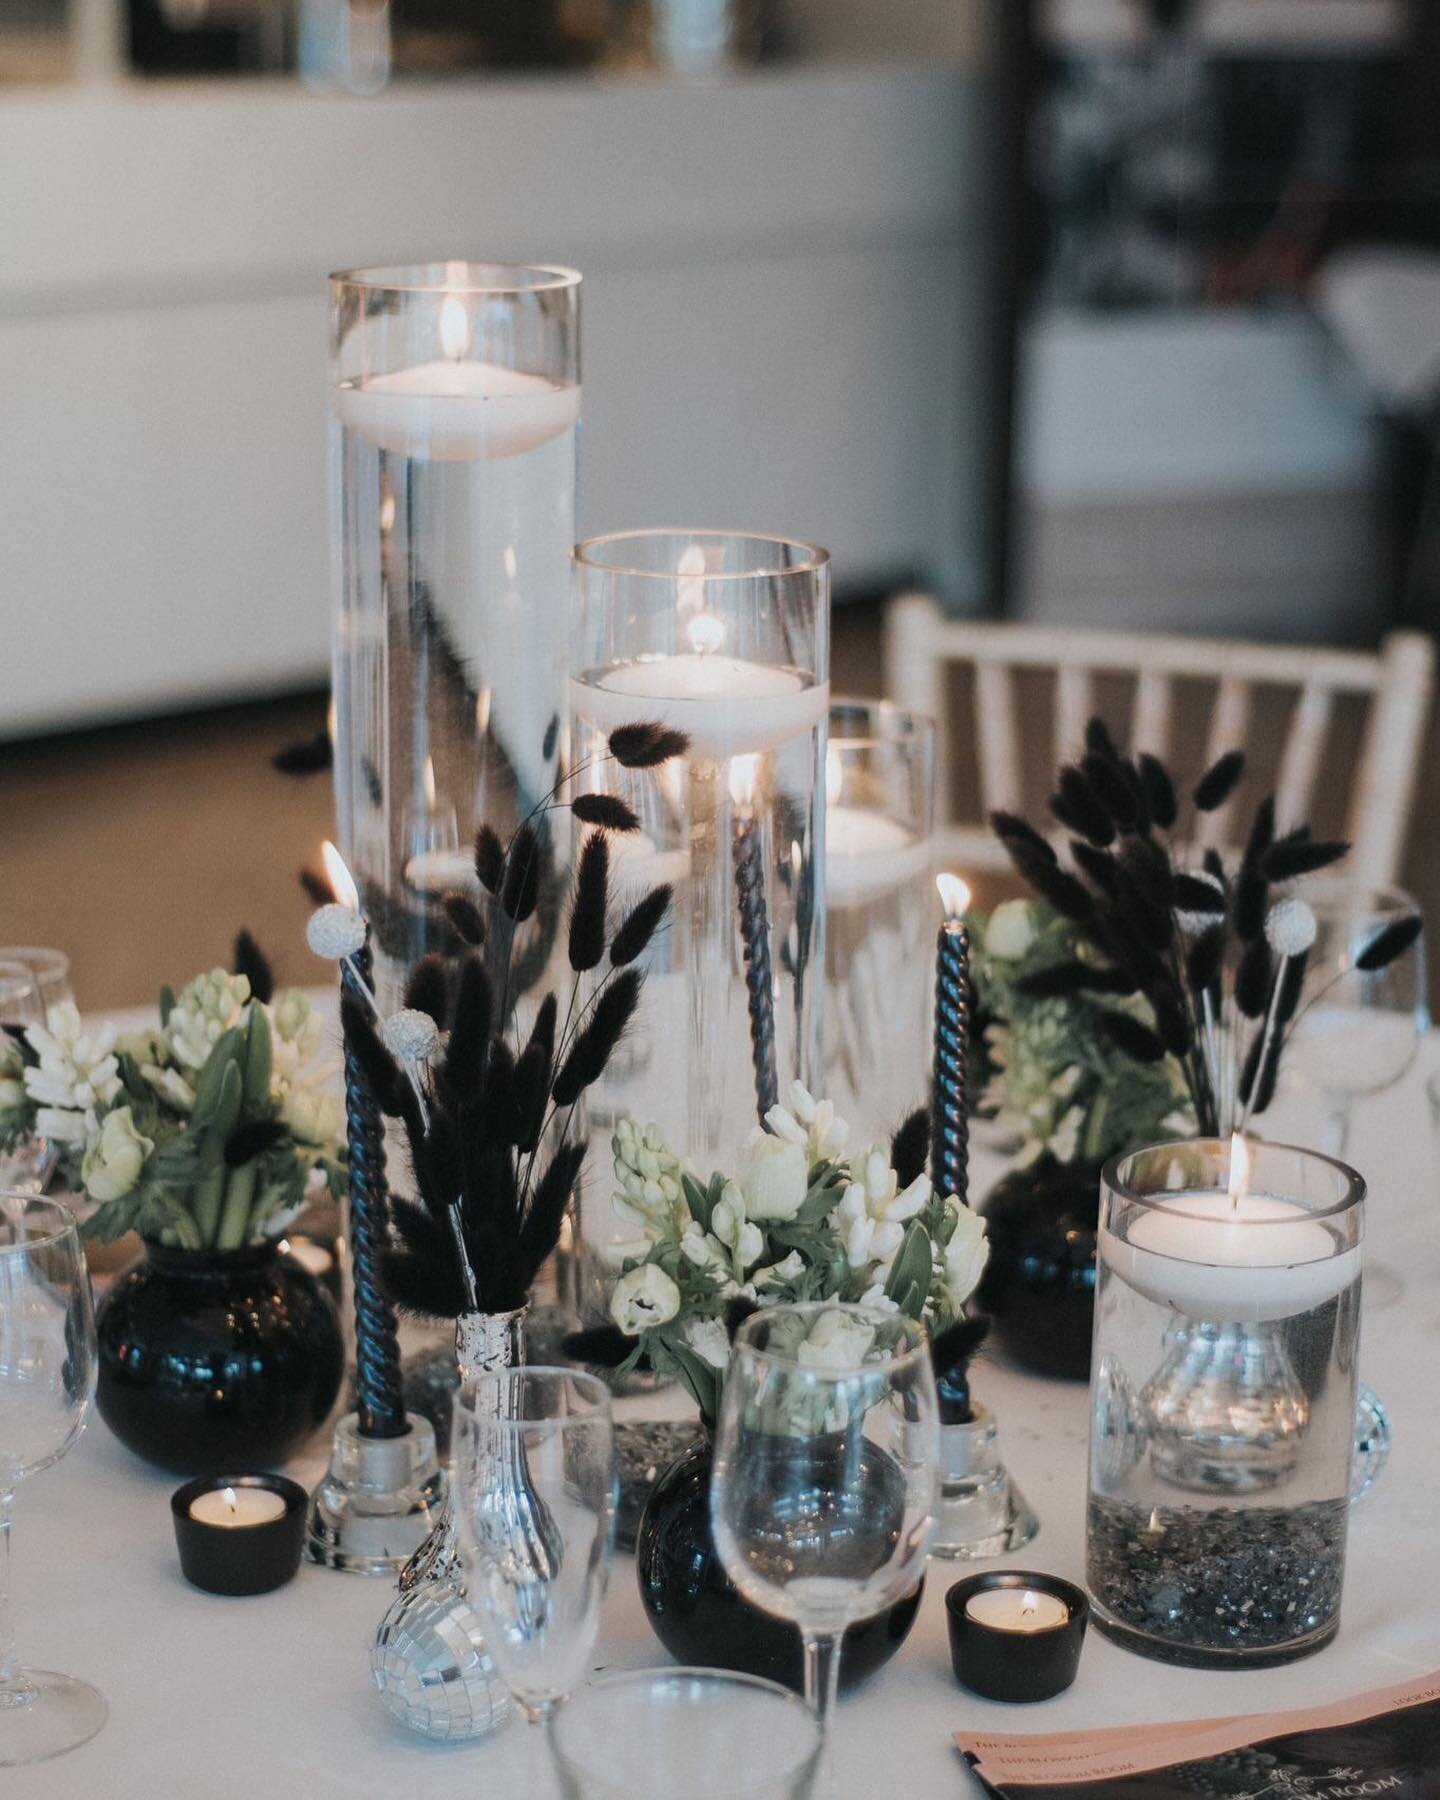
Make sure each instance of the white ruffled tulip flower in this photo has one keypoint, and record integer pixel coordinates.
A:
(965, 1255)
(873, 1211)
(709, 1340)
(776, 1179)
(835, 1341)
(115, 1157)
(644, 1298)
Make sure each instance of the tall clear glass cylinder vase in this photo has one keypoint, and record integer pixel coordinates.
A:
(880, 913)
(455, 410)
(724, 636)
(1227, 1320)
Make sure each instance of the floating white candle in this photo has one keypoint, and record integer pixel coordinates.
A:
(457, 411)
(726, 706)
(868, 854)
(441, 872)
(1016, 1609)
(237, 1507)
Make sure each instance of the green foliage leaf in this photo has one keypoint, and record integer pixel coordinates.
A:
(212, 1077)
(910, 1273)
(258, 1058)
(167, 1004)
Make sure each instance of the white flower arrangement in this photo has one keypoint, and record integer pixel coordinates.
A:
(201, 1132)
(798, 1223)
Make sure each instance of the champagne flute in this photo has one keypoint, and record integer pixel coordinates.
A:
(26, 1160)
(51, 969)
(47, 1381)
(535, 1498)
(824, 1487)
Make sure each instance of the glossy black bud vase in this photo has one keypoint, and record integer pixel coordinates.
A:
(1039, 1283)
(217, 1360)
(698, 1614)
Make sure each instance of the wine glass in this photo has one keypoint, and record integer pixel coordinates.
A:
(824, 1486)
(47, 1380)
(25, 1159)
(51, 969)
(535, 1498)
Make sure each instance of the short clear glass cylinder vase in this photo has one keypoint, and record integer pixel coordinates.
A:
(1223, 1401)
(455, 410)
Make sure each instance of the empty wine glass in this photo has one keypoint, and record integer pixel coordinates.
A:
(26, 1160)
(824, 1486)
(51, 969)
(535, 1499)
(47, 1380)
(705, 1734)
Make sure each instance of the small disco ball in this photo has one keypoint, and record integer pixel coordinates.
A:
(432, 1668)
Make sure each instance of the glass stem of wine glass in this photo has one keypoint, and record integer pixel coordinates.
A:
(822, 1672)
(9, 1662)
(1335, 1132)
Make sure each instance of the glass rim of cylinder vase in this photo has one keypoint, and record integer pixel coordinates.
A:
(460, 277)
(64, 1221)
(917, 1340)
(908, 726)
(1119, 1176)
(1322, 891)
(590, 1389)
(588, 554)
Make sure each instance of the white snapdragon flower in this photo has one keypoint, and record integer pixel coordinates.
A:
(297, 1034)
(171, 1087)
(115, 1156)
(61, 1125)
(776, 1179)
(207, 1007)
(965, 1255)
(736, 1231)
(811, 1123)
(649, 1196)
(876, 1300)
(78, 1069)
(701, 1248)
(12, 1074)
(1065, 1140)
(873, 1211)
(645, 1297)
(836, 1341)
(709, 1340)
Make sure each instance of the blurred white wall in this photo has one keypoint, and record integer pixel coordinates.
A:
(785, 329)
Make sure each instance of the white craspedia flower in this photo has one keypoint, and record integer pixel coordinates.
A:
(335, 932)
(1290, 927)
(411, 1035)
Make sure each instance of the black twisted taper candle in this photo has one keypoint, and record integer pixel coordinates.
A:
(755, 941)
(380, 1403)
(949, 1122)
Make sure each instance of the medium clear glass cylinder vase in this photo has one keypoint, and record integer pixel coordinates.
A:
(724, 636)
(455, 409)
(880, 913)
(1227, 1323)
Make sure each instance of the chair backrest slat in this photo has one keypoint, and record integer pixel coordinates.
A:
(999, 739)
(1150, 723)
(1303, 749)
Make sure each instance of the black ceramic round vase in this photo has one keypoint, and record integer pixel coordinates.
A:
(214, 1360)
(699, 1616)
(1039, 1284)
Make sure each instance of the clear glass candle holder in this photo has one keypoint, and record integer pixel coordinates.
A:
(1223, 1401)
(880, 913)
(455, 407)
(725, 637)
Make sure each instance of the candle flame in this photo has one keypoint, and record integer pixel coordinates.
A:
(230, 1498)
(454, 327)
(1029, 1601)
(429, 779)
(743, 773)
(1241, 1163)
(834, 775)
(482, 712)
(954, 895)
(330, 720)
(341, 881)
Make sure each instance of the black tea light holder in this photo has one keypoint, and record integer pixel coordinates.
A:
(234, 1556)
(997, 1652)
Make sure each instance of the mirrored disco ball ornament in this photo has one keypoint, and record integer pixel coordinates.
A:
(431, 1666)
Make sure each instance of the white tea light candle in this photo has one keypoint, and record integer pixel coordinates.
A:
(1016, 1609)
(725, 705)
(237, 1507)
(868, 854)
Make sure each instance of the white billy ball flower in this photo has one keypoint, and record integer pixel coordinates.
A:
(411, 1035)
(1290, 927)
(335, 932)
(644, 1298)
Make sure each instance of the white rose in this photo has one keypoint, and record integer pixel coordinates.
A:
(1011, 931)
(776, 1179)
(965, 1256)
(115, 1156)
(645, 1297)
(836, 1341)
(709, 1340)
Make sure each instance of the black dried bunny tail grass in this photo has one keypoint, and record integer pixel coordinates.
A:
(639, 926)
(249, 960)
(1262, 831)
(1219, 781)
(605, 810)
(1098, 738)
(546, 1212)
(386, 1080)
(524, 860)
(1131, 1036)
(1159, 791)
(1389, 944)
(428, 989)
(1013, 830)
(1253, 977)
(462, 1068)
(466, 918)
(951, 1354)
(1287, 859)
(310, 756)
(1205, 959)
(590, 904)
(1097, 866)
(910, 1146)
(252, 1139)
(316, 888)
(646, 744)
(489, 859)
(1080, 809)
(422, 1272)
(1192, 895)
(591, 1049)
(602, 1346)
(1061, 980)
(1107, 776)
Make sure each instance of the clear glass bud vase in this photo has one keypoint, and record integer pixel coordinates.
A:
(1223, 1417)
(429, 1659)
(455, 409)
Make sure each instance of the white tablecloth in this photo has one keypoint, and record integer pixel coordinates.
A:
(271, 1696)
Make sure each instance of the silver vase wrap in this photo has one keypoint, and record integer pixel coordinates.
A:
(429, 1658)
